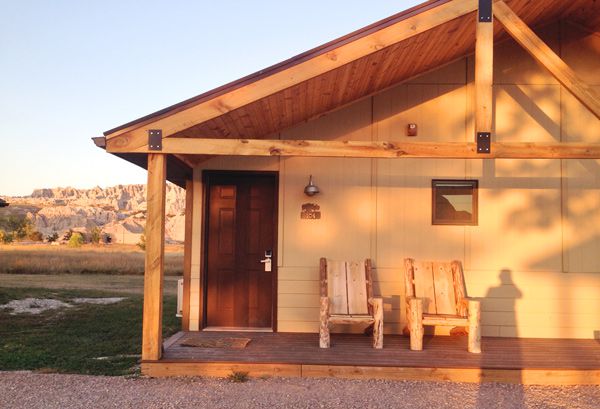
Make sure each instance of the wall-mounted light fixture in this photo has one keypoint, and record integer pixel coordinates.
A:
(311, 189)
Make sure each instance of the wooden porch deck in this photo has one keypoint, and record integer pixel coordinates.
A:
(514, 360)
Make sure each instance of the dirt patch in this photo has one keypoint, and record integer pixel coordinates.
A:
(33, 305)
(39, 305)
(101, 301)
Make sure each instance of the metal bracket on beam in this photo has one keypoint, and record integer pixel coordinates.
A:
(485, 11)
(484, 142)
(155, 139)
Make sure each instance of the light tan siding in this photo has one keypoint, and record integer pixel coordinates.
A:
(534, 258)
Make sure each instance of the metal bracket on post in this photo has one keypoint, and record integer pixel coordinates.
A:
(485, 11)
(484, 142)
(155, 139)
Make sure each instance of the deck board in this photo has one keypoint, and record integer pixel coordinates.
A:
(356, 350)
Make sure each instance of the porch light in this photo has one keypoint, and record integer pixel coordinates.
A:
(311, 189)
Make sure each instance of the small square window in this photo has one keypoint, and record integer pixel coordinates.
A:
(454, 202)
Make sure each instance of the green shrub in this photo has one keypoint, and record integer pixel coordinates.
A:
(6, 237)
(95, 234)
(76, 240)
(52, 237)
(19, 227)
(68, 235)
(142, 243)
(35, 236)
(238, 376)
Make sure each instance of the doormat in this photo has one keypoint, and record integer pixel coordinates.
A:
(233, 343)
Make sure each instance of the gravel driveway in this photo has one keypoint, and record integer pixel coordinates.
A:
(35, 390)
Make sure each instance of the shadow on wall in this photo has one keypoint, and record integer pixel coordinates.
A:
(507, 293)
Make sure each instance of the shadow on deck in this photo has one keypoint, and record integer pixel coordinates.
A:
(513, 360)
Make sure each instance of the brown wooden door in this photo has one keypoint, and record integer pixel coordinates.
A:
(241, 226)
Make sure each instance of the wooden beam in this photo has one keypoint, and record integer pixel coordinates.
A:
(546, 57)
(369, 149)
(187, 253)
(484, 71)
(186, 117)
(155, 252)
(471, 375)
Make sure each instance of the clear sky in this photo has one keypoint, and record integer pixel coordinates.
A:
(70, 70)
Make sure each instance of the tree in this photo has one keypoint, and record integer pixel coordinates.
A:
(95, 234)
(6, 237)
(68, 235)
(35, 236)
(76, 240)
(51, 238)
(142, 243)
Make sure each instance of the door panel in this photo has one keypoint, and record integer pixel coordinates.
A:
(241, 226)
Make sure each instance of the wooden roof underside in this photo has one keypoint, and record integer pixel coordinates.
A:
(362, 77)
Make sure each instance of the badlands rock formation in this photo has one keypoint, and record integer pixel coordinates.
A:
(118, 210)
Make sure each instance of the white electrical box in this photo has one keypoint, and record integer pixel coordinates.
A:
(179, 298)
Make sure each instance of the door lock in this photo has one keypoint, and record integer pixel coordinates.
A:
(267, 261)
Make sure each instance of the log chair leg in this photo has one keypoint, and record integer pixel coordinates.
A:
(378, 324)
(324, 325)
(416, 324)
(474, 345)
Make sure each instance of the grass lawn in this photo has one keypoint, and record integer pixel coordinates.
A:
(71, 339)
(100, 282)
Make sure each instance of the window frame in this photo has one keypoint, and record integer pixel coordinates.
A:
(473, 184)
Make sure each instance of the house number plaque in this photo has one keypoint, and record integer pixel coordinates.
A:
(310, 211)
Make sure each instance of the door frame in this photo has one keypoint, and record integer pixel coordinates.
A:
(208, 178)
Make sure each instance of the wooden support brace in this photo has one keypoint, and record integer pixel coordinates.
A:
(546, 57)
(155, 239)
(474, 341)
(324, 339)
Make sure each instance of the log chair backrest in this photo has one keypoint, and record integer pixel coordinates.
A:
(441, 285)
(348, 285)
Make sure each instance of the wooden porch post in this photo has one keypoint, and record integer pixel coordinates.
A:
(155, 243)
(187, 253)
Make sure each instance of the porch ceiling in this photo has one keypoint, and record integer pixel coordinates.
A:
(330, 89)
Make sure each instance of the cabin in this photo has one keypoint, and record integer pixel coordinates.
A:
(455, 130)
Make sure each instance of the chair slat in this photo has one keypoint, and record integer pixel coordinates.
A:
(336, 283)
(357, 288)
(424, 285)
(445, 300)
